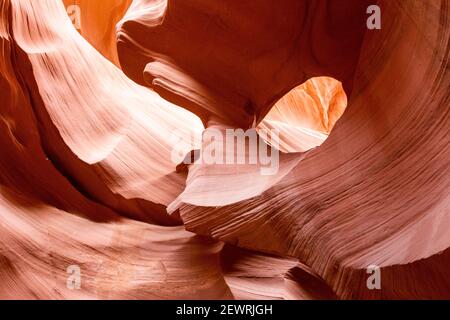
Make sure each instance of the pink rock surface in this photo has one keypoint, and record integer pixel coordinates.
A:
(94, 124)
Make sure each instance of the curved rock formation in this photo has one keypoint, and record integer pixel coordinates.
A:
(220, 61)
(104, 131)
(96, 21)
(306, 115)
(117, 141)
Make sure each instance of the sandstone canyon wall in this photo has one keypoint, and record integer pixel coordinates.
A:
(90, 119)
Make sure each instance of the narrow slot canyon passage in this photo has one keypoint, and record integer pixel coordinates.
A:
(307, 114)
(118, 181)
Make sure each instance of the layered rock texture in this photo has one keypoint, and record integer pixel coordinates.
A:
(102, 100)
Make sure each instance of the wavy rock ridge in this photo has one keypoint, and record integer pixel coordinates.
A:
(90, 118)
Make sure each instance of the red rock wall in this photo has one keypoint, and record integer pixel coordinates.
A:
(87, 123)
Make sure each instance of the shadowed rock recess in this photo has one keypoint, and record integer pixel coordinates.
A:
(90, 116)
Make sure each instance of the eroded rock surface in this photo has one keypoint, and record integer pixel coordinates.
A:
(90, 120)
